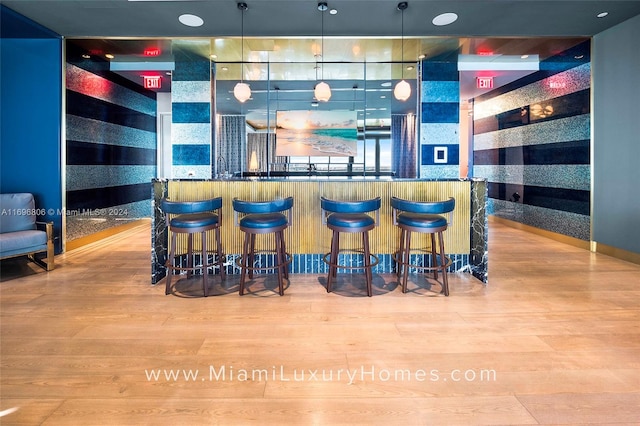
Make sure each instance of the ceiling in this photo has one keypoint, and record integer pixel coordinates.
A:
(364, 36)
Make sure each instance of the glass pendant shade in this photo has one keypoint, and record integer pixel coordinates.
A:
(242, 92)
(402, 91)
(322, 92)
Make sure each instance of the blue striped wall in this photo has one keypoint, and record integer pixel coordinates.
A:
(191, 110)
(440, 121)
(532, 143)
(110, 147)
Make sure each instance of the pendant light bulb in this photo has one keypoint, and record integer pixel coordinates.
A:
(242, 91)
(322, 92)
(402, 91)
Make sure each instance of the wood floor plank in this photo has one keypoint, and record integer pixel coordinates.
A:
(554, 338)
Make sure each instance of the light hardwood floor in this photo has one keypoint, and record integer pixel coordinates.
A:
(553, 339)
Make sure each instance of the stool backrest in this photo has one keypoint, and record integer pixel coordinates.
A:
(338, 206)
(423, 207)
(186, 207)
(260, 207)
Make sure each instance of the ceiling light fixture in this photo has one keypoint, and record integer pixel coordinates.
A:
(444, 19)
(242, 91)
(190, 20)
(322, 91)
(602, 14)
(402, 91)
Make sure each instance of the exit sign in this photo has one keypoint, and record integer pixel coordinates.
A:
(484, 82)
(152, 82)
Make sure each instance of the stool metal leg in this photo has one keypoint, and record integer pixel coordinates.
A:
(405, 260)
(400, 256)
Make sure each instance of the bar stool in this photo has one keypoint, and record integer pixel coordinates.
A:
(260, 218)
(424, 217)
(191, 217)
(350, 217)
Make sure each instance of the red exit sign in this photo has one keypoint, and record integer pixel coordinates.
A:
(152, 82)
(153, 51)
(484, 82)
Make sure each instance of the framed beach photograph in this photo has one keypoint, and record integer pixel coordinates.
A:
(316, 133)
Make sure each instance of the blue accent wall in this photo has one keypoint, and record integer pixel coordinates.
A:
(30, 113)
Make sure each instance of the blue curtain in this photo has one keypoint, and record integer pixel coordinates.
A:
(403, 145)
(231, 145)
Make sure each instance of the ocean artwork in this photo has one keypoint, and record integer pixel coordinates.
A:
(316, 133)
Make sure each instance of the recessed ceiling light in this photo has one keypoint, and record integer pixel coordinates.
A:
(383, 97)
(524, 56)
(410, 67)
(386, 84)
(602, 14)
(445, 19)
(225, 69)
(86, 56)
(191, 20)
(214, 56)
(109, 56)
(422, 56)
(333, 11)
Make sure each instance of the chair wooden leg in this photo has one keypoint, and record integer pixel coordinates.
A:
(220, 255)
(280, 262)
(405, 260)
(169, 263)
(205, 270)
(333, 259)
(283, 251)
(434, 256)
(443, 260)
(400, 256)
(251, 255)
(367, 263)
(244, 262)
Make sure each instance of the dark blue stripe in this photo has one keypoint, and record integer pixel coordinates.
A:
(96, 109)
(191, 112)
(440, 71)
(429, 152)
(573, 152)
(191, 155)
(440, 112)
(100, 198)
(190, 67)
(570, 105)
(95, 154)
(568, 200)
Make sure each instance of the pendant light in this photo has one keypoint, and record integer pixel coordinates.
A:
(322, 91)
(402, 91)
(242, 91)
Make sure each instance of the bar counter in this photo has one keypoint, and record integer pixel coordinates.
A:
(308, 239)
